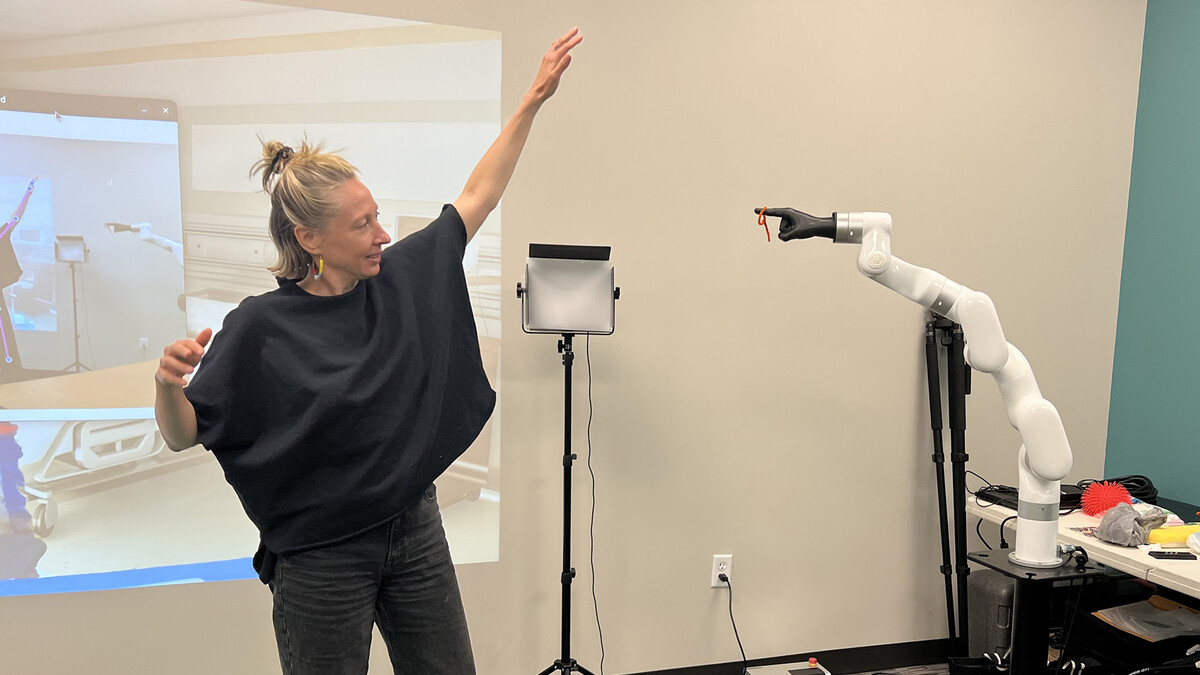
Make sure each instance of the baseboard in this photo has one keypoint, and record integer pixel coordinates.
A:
(838, 661)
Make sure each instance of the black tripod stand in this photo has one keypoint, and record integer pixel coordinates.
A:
(958, 385)
(566, 664)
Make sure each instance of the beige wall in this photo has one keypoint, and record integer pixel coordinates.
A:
(758, 399)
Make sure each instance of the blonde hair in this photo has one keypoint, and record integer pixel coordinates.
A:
(301, 184)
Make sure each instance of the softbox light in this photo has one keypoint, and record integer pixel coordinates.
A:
(569, 290)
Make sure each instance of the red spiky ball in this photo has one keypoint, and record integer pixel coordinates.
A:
(1100, 497)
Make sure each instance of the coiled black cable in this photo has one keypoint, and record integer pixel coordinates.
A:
(1140, 487)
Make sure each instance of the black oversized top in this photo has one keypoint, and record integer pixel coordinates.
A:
(331, 415)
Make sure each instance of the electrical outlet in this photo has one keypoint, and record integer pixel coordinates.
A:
(143, 343)
(722, 564)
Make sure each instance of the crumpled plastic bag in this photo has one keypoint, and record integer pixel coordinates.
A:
(1124, 526)
(1193, 542)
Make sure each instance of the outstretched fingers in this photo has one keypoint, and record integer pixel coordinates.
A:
(567, 42)
(559, 56)
(556, 60)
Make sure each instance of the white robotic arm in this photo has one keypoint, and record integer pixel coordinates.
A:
(1045, 456)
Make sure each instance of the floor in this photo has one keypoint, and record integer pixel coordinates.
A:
(804, 669)
(931, 669)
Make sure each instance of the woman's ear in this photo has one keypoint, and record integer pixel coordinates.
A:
(309, 239)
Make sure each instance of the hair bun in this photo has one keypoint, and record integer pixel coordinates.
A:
(281, 156)
(275, 156)
(270, 149)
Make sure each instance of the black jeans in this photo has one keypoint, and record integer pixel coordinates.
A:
(398, 576)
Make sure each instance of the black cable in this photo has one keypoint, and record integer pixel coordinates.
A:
(997, 494)
(1004, 544)
(986, 481)
(980, 534)
(587, 350)
(725, 578)
(1062, 653)
(1138, 486)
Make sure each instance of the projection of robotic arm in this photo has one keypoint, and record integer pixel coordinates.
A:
(145, 232)
(1045, 455)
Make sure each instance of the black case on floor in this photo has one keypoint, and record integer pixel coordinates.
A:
(990, 611)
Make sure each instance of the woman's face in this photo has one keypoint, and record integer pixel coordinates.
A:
(353, 238)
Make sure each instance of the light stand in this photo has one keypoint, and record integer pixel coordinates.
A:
(71, 249)
(567, 290)
(566, 664)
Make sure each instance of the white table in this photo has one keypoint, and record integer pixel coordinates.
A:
(1179, 575)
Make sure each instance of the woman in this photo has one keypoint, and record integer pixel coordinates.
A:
(333, 402)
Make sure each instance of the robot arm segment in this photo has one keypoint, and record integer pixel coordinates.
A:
(924, 287)
(1037, 420)
(974, 310)
(988, 350)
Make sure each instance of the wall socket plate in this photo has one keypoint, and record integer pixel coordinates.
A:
(721, 564)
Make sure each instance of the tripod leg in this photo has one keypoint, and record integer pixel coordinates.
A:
(957, 381)
(939, 460)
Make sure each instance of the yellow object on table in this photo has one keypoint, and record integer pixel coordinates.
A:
(1171, 535)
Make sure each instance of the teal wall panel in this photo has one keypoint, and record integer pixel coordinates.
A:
(1154, 417)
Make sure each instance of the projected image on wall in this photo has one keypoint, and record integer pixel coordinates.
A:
(90, 181)
(146, 227)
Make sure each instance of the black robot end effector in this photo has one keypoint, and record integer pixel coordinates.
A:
(795, 224)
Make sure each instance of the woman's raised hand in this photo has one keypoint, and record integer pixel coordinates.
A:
(554, 63)
(180, 358)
